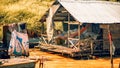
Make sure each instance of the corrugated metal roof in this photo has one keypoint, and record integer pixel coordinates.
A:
(93, 11)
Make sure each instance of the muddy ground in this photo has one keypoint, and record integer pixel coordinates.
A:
(58, 61)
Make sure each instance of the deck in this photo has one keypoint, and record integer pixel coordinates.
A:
(62, 50)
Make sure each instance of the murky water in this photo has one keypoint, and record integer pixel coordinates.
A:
(58, 61)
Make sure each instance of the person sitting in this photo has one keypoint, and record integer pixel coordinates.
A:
(59, 41)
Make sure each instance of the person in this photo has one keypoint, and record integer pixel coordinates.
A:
(58, 40)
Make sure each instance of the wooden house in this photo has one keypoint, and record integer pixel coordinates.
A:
(75, 12)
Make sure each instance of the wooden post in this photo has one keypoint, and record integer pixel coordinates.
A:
(68, 28)
(79, 34)
(111, 49)
(91, 47)
(119, 65)
(42, 28)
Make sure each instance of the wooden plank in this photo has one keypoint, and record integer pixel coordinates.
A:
(59, 18)
(104, 26)
(74, 23)
(73, 39)
(43, 34)
(61, 15)
(58, 48)
(19, 63)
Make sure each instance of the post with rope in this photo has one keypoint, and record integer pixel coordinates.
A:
(111, 46)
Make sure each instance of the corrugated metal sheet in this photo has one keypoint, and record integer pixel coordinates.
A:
(93, 11)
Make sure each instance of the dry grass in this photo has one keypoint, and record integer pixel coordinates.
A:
(29, 11)
(24, 10)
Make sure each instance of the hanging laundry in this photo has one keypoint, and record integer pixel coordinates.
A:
(19, 45)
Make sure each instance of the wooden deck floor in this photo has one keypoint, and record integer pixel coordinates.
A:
(60, 49)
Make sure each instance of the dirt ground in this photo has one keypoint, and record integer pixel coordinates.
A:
(58, 61)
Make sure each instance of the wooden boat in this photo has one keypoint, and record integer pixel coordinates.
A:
(17, 63)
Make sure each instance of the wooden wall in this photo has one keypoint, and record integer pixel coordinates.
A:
(115, 31)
